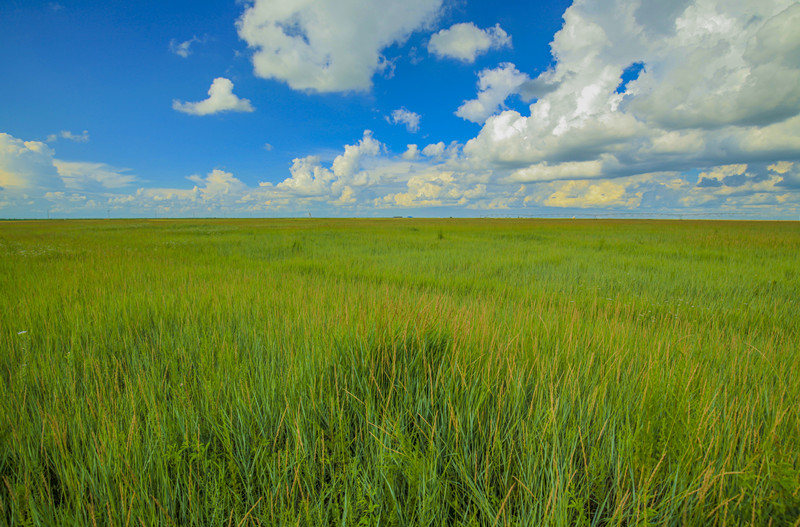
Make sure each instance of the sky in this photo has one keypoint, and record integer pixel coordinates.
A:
(357, 108)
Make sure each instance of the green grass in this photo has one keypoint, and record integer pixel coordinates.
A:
(399, 372)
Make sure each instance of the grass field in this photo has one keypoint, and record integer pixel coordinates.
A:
(399, 372)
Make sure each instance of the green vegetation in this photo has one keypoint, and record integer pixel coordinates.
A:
(399, 372)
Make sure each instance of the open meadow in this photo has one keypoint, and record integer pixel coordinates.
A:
(399, 372)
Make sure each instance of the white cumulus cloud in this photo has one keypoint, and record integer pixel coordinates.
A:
(434, 149)
(494, 87)
(218, 184)
(411, 153)
(717, 84)
(328, 45)
(26, 165)
(220, 99)
(466, 41)
(310, 178)
(406, 117)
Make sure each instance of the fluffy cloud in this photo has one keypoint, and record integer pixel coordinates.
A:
(434, 150)
(310, 179)
(424, 190)
(736, 67)
(406, 117)
(328, 45)
(494, 87)
(433, 187)
(346, 165)
(466, 41)
(716, 87)
(220, 99)
(411, 153)
(218, 184)
(26, 165)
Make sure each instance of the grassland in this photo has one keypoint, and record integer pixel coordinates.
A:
(399, 372)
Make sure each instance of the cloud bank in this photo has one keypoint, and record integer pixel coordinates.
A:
(688, 107)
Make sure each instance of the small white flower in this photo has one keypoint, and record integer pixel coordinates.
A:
(22, 332)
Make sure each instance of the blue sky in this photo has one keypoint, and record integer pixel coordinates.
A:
(400, 107)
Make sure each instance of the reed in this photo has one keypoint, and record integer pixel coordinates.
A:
(399, 372)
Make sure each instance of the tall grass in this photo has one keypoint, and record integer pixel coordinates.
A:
(399, 372)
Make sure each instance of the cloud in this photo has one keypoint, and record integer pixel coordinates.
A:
(725, 67)
(220, 99)
(26, 165)
(347, 197)
(466, 41)
(718, 175)
(82, 175)
(409, 118)
(33, 180)
(715, 88)
(424, 190)
(570, 170)
(217, 192)
(32, 166)
(183, 49)
(347, 164)
(73, 197)
(66, 134)
(329, 45)
(433, 186)
(738, 187)
(309, 178)
(217, 184)
(494, 87)
(781, 167)
(366, 178)
(434, 150)
(411, 153)
(585, 194)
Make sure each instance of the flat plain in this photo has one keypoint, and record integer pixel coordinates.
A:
(399, 372)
